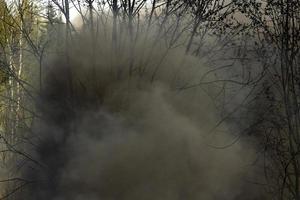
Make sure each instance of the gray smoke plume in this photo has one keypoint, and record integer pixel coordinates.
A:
(116, 124)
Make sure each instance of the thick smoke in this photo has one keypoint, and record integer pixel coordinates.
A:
(116, 124)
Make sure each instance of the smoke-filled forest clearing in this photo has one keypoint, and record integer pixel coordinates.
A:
(149, 100)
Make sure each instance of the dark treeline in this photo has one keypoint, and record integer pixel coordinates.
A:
(227, 67)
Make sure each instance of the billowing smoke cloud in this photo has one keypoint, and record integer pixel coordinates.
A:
(116, 124)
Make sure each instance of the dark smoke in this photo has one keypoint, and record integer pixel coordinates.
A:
(116, 125)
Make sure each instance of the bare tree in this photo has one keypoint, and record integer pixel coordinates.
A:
(275, 26)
